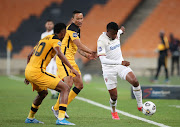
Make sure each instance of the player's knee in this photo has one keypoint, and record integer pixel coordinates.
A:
(135, 82)
(79, 85)
(114, 97)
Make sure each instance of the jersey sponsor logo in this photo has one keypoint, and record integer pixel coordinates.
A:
(99, 49)
(75, 35)
(114, 47)
(59, 43)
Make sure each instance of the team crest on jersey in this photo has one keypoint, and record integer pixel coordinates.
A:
(59, 43)
(99, 49)
(75, 35)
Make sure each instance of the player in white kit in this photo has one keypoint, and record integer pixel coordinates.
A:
(113, 64)
(52, 67)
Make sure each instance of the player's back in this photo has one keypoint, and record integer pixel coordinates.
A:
(43, 52)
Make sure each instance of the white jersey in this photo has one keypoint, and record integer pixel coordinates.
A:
(110, 48)
(47, 33)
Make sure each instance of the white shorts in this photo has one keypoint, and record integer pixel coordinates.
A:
(110, 73)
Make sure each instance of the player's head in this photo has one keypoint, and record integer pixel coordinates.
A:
(77, 18)
(49, 25)
(112, 29)
(161, 34)
(60, 30)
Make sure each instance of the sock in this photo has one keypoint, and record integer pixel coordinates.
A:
(62, 110)
(113, 104)
(33, 111)
(56, 106)
(138, 95)
(73, 93)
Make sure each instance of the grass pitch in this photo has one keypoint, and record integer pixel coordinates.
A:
(16, 99)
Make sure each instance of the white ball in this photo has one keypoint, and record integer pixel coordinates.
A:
(149, 108)
(87, 78)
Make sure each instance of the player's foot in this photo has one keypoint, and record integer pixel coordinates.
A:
(63, 122)
(33, 121)
(56, 112)
(115, 116)
(140, 108)
(166, 81)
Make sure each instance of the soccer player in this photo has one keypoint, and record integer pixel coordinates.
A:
(113, 64)
(52, 67)
(70, 44)
(49, 29)
(35, 73)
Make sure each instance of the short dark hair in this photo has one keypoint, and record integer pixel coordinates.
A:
(75, 12)
(58, 27)
(112, 26)
(49, 20)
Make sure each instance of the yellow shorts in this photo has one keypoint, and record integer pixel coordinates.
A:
(64, 71)
(40, 79)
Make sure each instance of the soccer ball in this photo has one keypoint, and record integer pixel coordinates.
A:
(149, 108)
(87, 78)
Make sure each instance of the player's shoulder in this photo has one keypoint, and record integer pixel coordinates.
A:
(73, 27)
(103, 37)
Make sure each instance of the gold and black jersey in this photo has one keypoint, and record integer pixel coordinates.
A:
(44, 52)
(68, 47)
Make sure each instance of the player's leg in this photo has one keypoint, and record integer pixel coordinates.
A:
(110, 79)
(166, 70)
(131, 78)
(158, 69)
(68, 80)
(78, 82)
(113, 102)
(35, 106)
(64, 89)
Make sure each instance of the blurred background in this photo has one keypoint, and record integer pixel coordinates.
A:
(22, 23)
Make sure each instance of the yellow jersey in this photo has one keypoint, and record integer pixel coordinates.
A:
(44, 52)
(68, 47)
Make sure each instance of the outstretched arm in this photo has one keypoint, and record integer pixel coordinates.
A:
(88, 56)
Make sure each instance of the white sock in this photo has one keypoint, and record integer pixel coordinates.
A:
(138, 95)
(113, 104)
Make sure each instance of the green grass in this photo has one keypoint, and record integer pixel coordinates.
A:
(16, 99)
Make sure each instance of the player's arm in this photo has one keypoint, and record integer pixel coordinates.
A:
(29, 56)
(88, 56)
(82, 46)
(28, 59)
(65, 60)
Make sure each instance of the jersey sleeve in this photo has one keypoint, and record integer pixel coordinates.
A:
(120, 31)
(101, 48)
(56, 43)
(73, 35)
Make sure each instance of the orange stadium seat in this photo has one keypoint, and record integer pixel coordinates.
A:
(96, 20)
(22, 9)
(146, 38)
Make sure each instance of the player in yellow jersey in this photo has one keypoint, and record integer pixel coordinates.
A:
(40, 80)
(70, 44)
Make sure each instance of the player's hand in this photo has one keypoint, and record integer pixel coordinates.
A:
(75, 72)
(94, 54)
(123, 28)
(26, 81)
(90, 56)
(125, 63)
